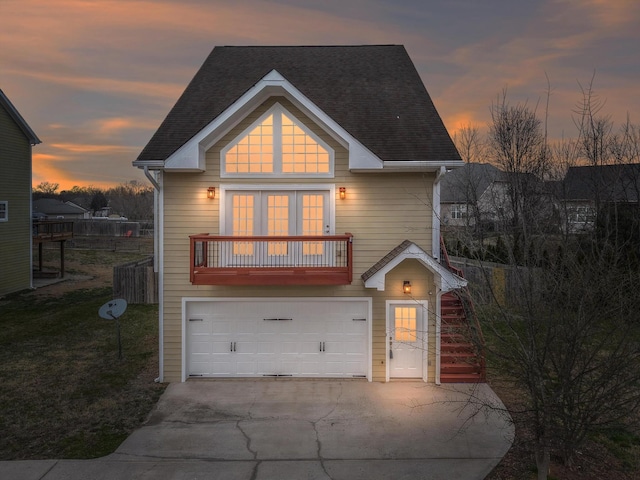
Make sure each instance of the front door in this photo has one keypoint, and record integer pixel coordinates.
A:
(407, 340)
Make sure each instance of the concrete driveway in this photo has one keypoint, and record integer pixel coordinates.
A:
(302, 429)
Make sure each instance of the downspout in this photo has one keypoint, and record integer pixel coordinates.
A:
(438, 331)
(435, 219)
(153, 181)
(158, 265)
(30, 218)
(436, 254)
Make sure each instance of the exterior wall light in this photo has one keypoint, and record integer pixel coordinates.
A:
(406, 287)
(211, 193)
(343, 193)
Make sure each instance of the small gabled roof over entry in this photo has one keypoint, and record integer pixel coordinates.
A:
(373, 94)
(375, 276)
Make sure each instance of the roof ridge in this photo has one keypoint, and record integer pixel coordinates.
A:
(315, 46)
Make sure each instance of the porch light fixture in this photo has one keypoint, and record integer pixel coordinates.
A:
(343, 193)
(211, 193)
(406, 287)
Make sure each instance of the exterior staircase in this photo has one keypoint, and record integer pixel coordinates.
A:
(461, 342)
(461, 357)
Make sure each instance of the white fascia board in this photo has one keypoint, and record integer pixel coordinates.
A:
(422, 166)
(447, 281)
(149, 164)
(191, 156)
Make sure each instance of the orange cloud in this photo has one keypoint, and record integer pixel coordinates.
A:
(83, 148)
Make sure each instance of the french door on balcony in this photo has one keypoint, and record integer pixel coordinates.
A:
(281, 214)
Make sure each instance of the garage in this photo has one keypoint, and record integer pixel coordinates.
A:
(322, 337)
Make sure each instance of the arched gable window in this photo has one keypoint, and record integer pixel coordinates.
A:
(277, 144)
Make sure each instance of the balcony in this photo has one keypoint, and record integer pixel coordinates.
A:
(52, 231)
(271, 260)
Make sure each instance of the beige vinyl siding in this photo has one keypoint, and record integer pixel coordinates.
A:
(375, 212)
(15, 188)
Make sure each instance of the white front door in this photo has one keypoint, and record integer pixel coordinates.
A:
(407, 339)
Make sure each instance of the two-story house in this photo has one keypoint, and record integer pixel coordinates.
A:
(298, 217)
(604, 193)
(16, 140)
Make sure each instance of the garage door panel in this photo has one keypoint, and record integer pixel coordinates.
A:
(277, 337)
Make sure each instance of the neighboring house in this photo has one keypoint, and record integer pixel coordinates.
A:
(588, 191)
(16, 140)
(481, 196)
(54, 209)
(297, 213)
(471, 195)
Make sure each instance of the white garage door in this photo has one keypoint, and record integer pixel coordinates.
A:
(299, 338)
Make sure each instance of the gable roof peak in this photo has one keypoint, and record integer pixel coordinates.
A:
(374, 93)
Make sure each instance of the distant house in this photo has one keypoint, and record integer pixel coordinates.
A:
(481, 196)
(591, 191)
(299, 234)
(473, 196)
(16, 140)
(53, 209)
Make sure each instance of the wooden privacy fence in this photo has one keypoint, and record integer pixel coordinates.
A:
(135, 281)
(106, 228)
(491, 282)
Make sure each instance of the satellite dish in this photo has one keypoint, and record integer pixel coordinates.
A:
(113, 309)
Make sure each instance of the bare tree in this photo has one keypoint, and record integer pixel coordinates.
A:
(46, 188)
(134, 200)
(567, 334)
(472, 149)
(517, 145)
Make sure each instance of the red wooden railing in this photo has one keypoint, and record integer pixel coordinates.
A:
(271, 260)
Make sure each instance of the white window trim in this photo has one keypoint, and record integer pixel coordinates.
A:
(331, 188)
(277, 150)
(5, 217)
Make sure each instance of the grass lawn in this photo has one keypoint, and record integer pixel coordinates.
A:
(65, 393)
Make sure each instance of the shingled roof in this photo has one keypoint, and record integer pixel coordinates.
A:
(606, 183)
(373, 92)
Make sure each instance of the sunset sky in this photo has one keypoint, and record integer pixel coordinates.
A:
(94, 78)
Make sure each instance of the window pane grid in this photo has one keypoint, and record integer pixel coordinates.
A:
(278, 222)
(277, 145)
(312, 222)
(405, 324)
(254, 152)
(243, 221)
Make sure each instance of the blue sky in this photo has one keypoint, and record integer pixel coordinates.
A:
(94, 78)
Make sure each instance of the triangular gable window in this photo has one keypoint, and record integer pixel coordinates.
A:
(277, 144)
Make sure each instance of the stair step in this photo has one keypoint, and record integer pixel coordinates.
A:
(457, 346)
(452, 337)
(459, 358)
(463, 356)
(459, 368)
(461, 378)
